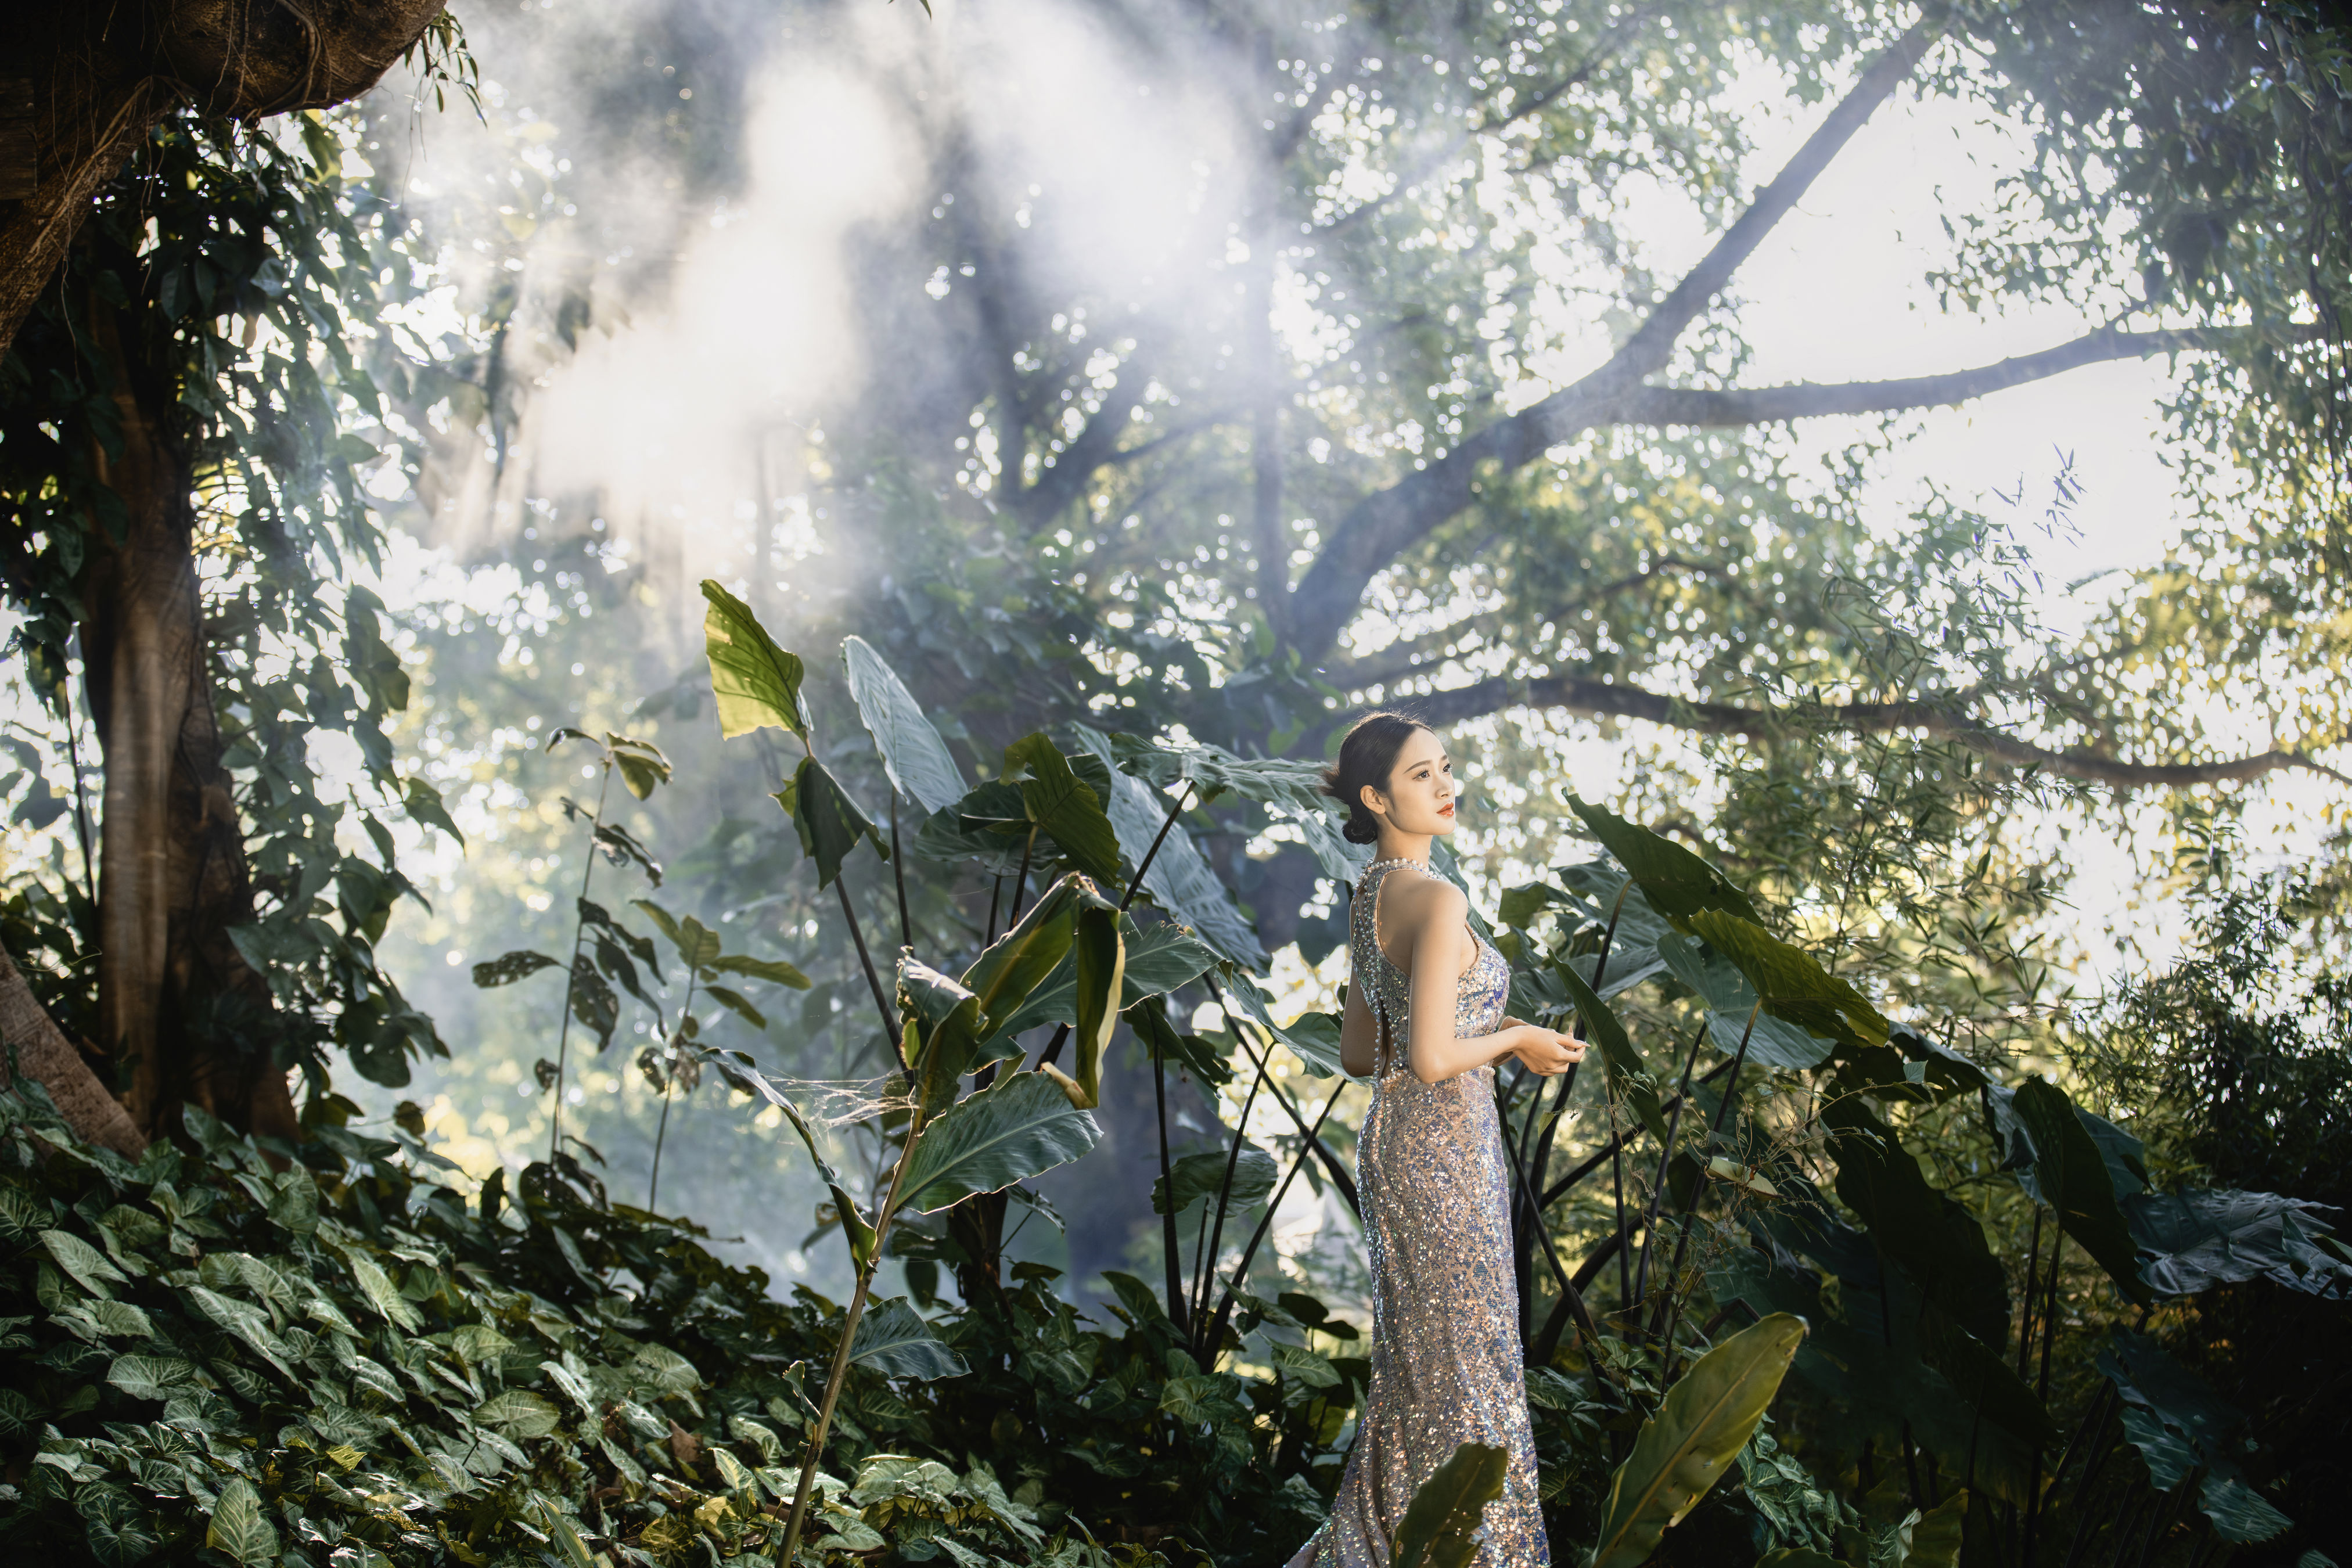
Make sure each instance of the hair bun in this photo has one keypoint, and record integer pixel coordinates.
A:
(1362, 827)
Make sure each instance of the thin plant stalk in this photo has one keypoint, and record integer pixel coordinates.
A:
(1600, 1156)
(873, 980)
(995, 893)
(2049, 1336)
(899, 870)
(1265, 1223)
(1169, 1244)
(1205, 1269)
(1330, 1161)
(1672, 1302)
(1021, 882)
(572, 976)
(832, 1382)
(1154, 853)
(1665, 1158)
(670, 1082)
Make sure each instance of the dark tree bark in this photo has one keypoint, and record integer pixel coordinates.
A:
(97, 78)
(178, 1006)
(40, 1050)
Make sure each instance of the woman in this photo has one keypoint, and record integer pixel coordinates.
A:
(1425, 1020)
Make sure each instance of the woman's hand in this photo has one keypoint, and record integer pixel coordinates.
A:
(1545, 1052)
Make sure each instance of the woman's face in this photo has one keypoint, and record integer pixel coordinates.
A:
(1421, 793)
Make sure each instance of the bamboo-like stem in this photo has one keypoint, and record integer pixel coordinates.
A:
(2025, 1306)
(1329, 1161)
(1205, 1269)
(1169, 1244)
(1666, 1159)
(1617, 1184)
(1673, 1303)
(1154, 853)
(841, 1354)
(898, 871)
(2049, 1336)
(1600, 1155)
(873, 980)
(572, 976)
(1021, 882)
(1240, 1270)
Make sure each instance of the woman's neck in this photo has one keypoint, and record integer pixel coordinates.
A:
(1394, 846)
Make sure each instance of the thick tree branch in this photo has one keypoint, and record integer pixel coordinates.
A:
(1604, 699)
(1096, 443)
(34, 1044)
(1381, 525)
(103, 74)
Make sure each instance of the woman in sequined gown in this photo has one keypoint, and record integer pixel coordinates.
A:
(1425, 1020)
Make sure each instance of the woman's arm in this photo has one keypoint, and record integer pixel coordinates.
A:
(1360, 1034)
(1432, 916)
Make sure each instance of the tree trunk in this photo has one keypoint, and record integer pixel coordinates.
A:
(80, 85)
(40, 1048)
(177, 1003)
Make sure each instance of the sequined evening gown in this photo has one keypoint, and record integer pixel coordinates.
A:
(1446, 1362)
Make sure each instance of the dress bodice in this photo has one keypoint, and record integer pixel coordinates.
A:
(1479, 996)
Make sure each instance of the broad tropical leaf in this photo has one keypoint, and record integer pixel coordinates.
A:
(1930, 1232)
(1018, 963)
(913, 754)
(1318, 1048)
(854, 1223)
(1198, 1176)
(1798, 1557)
(892, 1336)
(1701, 1425)
(238, 1529)
(1179, 878)
(1791, 981)
(753, 682)
(1101, 966)
(1629, 1076)
(1157, 959)
(2205, 1236)
(1441, 1524)
(518, 1412)
(2072, 1175)
(1936, 1538)
(1679, 883)
(1063, 806)
(829, 823)
(1732, 1003)
(1017, 1127)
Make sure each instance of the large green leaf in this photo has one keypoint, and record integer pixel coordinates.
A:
(238, 1529)
(943, 1024)
(1017, 1127)
(1936, 1538)
(1314, 1046)
(1630, 1079)
(1179, 879)
(1798, 1557)
(2203, 1237)
(1930, 1232)
(2072, 1172)
(753, 682)
(1059, 803)
(1102, 966)
(1679, 883)
(1791, 981)
(1440, 1527)
(1020, 962)
(1598, 892)
(829, 823)
(1701, 1425)
(1198, 1176)
(1159, 959)
(2181, 1427)
(1732, 1003)
(913, 754)
(892, 1336)
(861, 1234)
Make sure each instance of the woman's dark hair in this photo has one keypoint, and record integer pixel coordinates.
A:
(1367, 756)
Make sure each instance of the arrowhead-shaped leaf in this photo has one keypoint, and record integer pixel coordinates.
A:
(1930, 1232)
(829, 823)
(1061, 805)
(1440, 1527)
(893, 1338)
(1701, 1425)
(1017, 1127)
(913, 754)
(1677, 883)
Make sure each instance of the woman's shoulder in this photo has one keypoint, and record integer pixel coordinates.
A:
(1419, 900)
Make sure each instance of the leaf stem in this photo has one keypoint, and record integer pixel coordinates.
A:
(1204, 1268)
(1169, 1244)
(1151, 854)
(832, 1382)
(899, 870)
(873, 980)
(572, 976)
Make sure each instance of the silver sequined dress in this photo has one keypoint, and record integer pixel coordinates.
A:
(1446, 1362)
